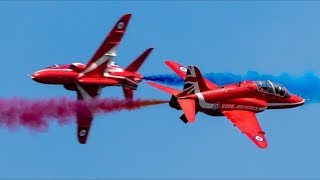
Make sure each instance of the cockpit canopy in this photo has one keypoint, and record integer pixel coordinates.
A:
(113, 64)
(53, 66)
(272, 88)
(75, 65)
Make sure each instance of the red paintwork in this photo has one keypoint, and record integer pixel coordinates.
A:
(101, 71)
(239, 102)
(71, 74)
(66, 76)
(246, 93)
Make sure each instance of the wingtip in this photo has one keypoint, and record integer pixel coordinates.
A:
(148, 50)
(263, 146)
(125, 18)
(82, 142)
(172, 63)
(128, 15)
(151, 83)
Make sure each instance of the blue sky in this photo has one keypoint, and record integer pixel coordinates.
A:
(268, 37)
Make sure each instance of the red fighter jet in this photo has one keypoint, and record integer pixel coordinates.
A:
(239, 102)
(101, 71)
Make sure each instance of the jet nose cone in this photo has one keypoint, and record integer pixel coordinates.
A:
(298, 100)
(35, 76)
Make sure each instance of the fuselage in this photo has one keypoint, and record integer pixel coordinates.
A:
(70, 74)
(255, 96)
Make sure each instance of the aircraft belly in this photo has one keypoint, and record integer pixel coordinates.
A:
(213, 112)
(282, 106)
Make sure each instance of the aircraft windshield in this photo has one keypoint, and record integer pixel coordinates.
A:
(53, 66)
(272, 88)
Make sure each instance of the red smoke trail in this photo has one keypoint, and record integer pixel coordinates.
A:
(37, 114)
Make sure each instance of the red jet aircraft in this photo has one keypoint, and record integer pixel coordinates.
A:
(101, 71)
(239, 102)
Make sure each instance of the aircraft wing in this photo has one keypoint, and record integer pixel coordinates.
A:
(248, 123)
(84, 113)
(108, 49)
(182, 71)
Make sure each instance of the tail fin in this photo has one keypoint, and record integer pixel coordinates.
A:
(194, 81)
(182, 70)
(135, 65)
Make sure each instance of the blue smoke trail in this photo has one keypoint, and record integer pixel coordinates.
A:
(168, 79)
(306, 85)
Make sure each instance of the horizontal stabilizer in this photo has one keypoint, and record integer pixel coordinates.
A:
(189, 108)
(164, 88)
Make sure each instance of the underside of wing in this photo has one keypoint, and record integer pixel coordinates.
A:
(84, 120)
(84, 113)
(248, 123)
(181, 71)
(128, 92)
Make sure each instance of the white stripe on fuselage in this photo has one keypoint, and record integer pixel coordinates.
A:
(121, 77)
(109, 56)
(54, 70)
(200, 96)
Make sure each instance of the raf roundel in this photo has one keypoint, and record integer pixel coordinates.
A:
(259, 138)
(216, 106)
(120, 25)
(183, 69)
(82, 132)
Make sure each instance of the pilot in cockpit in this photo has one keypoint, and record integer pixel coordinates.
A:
(280, 91)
